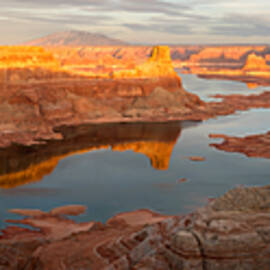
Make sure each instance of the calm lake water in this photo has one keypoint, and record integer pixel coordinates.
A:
(117, 168)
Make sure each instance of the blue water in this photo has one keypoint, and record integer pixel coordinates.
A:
(206, 88)
(109, 182)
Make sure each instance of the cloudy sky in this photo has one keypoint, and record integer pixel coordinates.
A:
(139, 21)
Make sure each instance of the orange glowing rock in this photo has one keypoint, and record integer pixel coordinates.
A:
(26, 56)
(255, 63)
(252, 85)
(158, 65)
(223, 52)
(159, 153)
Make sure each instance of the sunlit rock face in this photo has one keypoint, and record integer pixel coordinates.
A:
(224, 52)
(127, 57)
(255, 63)
(22, 165)
(26, 56)
(158, 65)
(251, 67)
(36, 99)
(29, 64)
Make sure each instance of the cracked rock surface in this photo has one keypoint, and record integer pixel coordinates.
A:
(231, 232)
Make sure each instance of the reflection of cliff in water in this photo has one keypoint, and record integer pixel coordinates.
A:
(21, 165)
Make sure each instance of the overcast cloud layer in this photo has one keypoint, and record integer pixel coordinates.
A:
(140, 21)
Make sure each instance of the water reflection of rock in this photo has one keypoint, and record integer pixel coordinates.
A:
(21, 165)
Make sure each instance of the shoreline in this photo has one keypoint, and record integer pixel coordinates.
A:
(232, 231)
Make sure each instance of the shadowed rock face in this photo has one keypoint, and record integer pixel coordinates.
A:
(20, 165)
(232, 232)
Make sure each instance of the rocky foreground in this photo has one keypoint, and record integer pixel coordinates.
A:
(232, 232)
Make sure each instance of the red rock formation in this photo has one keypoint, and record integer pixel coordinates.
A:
(255, 63)
(254, 70)
(223, 52)
(34, 101)
(26, 56)
(124, 56)
(251, 146)
(232, 232)
(158, 65)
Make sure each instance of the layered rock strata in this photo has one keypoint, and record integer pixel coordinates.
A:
(33, 101)
(232, 232)
(254, 70)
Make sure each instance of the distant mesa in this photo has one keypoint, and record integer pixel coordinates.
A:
(75, 38)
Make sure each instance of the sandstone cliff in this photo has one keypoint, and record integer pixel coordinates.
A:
(35, 100)
(158, 65)
(225, 53)
(256, 63)
(252, 69)
(26, 56)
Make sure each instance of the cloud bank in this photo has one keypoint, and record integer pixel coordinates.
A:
(140, 21)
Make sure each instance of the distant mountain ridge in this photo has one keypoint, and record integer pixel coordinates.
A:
(75, 38)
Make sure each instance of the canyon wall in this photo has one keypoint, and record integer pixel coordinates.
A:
(181, 55)
(39, 92)
(36, 99)
(223, 62)
(157, 66)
